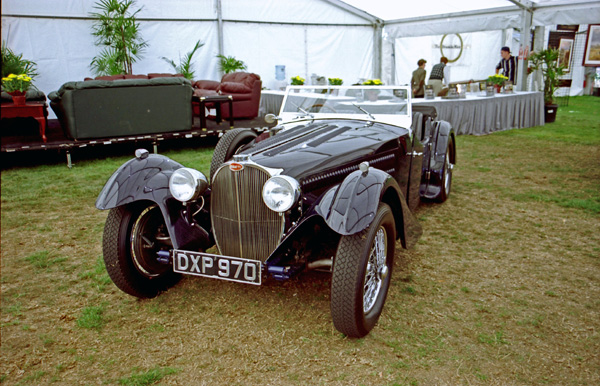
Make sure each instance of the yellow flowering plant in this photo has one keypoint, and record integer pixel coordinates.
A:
(335, 81)
(16, 83)
(373, 82)
(297, 81)
(497, 79)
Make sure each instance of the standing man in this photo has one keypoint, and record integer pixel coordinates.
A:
(508, 65)
(418, 79)
(437, 76)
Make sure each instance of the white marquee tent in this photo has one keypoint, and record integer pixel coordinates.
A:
(352, 40)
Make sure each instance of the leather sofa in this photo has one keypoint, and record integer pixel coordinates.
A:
(244, 87)
(116, 107)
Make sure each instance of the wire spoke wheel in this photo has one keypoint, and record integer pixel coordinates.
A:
(361, 275)
(133, 236)
(376, 271)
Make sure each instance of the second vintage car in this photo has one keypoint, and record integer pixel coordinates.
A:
(332, 186)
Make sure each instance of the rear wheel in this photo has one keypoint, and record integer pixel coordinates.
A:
(133, 235)
(361, 275)
(229, 144)
(446, 175)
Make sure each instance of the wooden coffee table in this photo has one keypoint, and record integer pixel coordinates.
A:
(214, 101)
(34, 109)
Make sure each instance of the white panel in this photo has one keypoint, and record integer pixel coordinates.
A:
(588, 14)
(177, 9)
(288, 11)
(340, 52)
(173, 40)
(480, 55)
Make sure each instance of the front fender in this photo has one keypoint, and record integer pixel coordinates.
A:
(351, 206)
(147, 179)
(138, 179)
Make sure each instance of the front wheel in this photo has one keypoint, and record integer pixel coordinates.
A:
(362, 272)
(133, 235)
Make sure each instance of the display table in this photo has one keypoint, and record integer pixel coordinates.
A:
(35, 110)
(479, 115)
(270, 102)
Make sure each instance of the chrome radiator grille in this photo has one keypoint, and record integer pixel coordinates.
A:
(242, 224)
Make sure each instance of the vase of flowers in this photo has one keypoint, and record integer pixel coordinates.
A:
(497, 80)
(297, 80)
(335, 82)
(372, 94)
(16, 86)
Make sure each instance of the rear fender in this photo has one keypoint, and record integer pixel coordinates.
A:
(351, 206)
(147, 179)
(432, 177)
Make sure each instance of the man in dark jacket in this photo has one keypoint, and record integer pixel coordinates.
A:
(418, 79)
(508, 65)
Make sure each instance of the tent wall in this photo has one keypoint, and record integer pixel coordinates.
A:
(317, 37)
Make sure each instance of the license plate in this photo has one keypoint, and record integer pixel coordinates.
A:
(218, 267)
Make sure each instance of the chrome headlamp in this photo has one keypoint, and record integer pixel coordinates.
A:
(187, 184)
(280, 193)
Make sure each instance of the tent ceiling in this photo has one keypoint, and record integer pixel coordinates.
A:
(391, 11)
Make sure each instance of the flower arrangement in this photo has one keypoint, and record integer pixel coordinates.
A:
(497, 79)
(297, 81)
(373, 82)
(16, 84)
(335, 81)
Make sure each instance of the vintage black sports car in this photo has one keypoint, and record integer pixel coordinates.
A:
(331, 187)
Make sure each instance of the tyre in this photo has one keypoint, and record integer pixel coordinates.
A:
(446, 175)
(362, 272)
(228, 145)
(133, 234)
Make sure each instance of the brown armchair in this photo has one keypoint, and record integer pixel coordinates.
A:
(244, 87)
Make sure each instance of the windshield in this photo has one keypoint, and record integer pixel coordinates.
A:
(388, 104)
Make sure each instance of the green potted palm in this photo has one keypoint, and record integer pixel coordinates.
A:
(229, 64)
(547, 62)
(185, 66)
(117, 30)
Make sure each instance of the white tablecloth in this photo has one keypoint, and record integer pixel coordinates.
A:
(476, 115)
(480, 115)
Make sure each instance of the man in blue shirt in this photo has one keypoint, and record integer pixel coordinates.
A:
(508, 65)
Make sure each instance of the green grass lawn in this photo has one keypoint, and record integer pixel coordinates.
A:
(502, 289)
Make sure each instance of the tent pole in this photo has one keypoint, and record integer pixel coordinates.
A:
(377, 48)
(220, 29)
(525, 46)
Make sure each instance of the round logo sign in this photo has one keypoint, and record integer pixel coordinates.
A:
(235, 167)
(451, 47)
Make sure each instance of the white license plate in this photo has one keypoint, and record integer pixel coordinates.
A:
(218, 267)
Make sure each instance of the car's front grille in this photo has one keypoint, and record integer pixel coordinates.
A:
(242, 224)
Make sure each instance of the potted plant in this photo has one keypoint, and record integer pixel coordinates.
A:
(547, 62)
(372, 94)
(497, 80)
(117, 30)
(335, 81)
(229, 64)
(15, 64)
(16, 86)
(297, 80)
(185, 63)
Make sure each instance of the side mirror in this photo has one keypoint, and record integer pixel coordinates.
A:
(271, 118)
